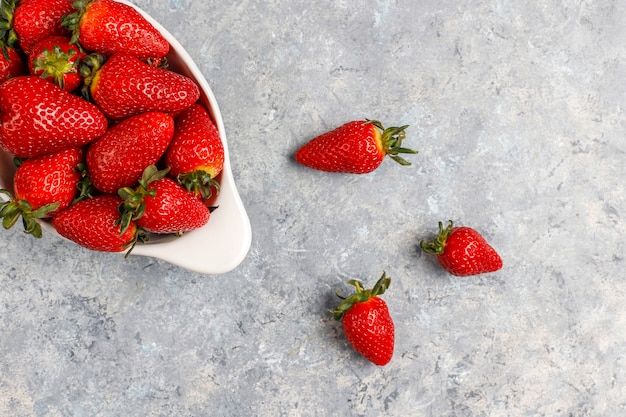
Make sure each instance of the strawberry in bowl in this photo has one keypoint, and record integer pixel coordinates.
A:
(220, 240)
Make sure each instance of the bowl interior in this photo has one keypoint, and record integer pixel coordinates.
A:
(224, 241)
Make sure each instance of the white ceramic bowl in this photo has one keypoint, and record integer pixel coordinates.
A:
(222, 244)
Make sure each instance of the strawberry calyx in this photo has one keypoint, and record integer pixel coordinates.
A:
(134, 206)
(88, 70)
(85, 184)
(72, 20)
(18, 161)
(140, 236)
(4, 48)
(199, 182)
(391, 139)
(361, 295)
(437, 246)
(90, 64)
(7, 33)
(12, 209)
(56, 63)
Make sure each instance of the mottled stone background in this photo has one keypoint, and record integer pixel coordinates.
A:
(517, 109)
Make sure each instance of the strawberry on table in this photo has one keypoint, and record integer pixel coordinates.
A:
(462, 251)
(119, 157)
(357, 147)
(92, 224)
(56, 60)
(38, 117)
(108, 27)
(125, 85)
(161, 205)
(366, 321)
(196, 155)
(43, 186)
(29, 21)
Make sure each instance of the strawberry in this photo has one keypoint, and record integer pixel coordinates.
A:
(38, 117)
(11, 64)
(92, 224)
(462, 251)
(108, 27)
(32, 20)
(196, 155)
(161, 205)
(124, 85)
(357, 147)
(366, 321)
(119, 157)
(56, 60)
(43, 186)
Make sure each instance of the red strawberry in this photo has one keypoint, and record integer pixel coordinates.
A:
(43, 186)
(125, 86)
(56, 60)
(92, 224)
(38, 117)
(119, 157)
(463, 251)
(196, 155)
(33, 20)
(160, 205)
(366, 321)
(357, 147)
(11, 64)
(172, 210)
(108, 27)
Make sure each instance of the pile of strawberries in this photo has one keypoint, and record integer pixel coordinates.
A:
(110, 144)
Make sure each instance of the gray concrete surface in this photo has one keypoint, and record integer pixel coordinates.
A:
(517, 109)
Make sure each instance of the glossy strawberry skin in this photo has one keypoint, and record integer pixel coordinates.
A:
(354, 147)
(38, 117)
(462, 251)
(109, 27)
(92, 224)
(196, 144)
(118, 158)
(37, 19)
(369, 328)
(172, 210)
(11, 65)
(196, 155)
(125, 86)
(357, 147)
(467, 253)
(58, 60)
(367, 324)
(47, 179)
